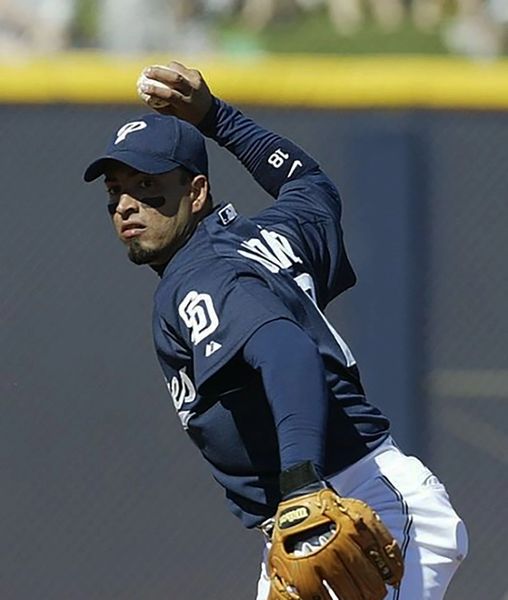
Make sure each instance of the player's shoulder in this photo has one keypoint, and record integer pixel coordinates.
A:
(316, 182)
(193, 277)
(209, 274)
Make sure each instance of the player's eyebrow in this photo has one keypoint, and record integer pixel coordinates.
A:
(130, 173)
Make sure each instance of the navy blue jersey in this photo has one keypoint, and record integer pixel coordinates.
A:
(236, 275)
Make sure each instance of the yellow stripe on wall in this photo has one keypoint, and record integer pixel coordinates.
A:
(310, 81)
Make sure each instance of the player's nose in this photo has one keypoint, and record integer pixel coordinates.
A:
(126, 204)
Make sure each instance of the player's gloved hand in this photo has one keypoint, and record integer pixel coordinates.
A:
(322, 542)
(175, 90)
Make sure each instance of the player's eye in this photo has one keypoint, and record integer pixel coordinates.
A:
(112, 206)
(146, 184)
(113, 190)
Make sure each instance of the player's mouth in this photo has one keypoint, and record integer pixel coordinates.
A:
(131, 230)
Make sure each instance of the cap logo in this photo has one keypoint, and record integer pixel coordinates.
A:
(128, 128)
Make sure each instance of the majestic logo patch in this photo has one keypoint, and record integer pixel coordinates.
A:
(293, 516)
(198, 313)
(128, 128)
(211, 348)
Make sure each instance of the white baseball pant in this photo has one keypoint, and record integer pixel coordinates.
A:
(414, 505)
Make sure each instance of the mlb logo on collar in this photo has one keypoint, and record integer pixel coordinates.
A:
(227, 214)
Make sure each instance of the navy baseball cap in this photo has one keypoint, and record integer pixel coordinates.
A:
(154, 144)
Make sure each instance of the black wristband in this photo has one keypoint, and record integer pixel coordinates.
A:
(208, 124)
(299, 476)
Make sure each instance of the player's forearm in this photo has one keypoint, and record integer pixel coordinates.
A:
(295, 385)
(271, 159)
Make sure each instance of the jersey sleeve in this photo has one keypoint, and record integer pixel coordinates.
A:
(308, 213)
(216, 318)
(308, 206)
(295, 384)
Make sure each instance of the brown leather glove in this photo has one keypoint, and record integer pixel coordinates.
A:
(324, 542)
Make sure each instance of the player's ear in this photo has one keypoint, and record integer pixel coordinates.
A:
(198, 192)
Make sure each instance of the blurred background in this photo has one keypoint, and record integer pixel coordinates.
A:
(476, 28)
(405, 104)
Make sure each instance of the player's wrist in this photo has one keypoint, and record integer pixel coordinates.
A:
(208, 123)
(302, 478)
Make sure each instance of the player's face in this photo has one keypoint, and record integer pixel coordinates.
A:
(154, 215)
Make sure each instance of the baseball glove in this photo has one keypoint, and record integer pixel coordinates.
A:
(323, 544)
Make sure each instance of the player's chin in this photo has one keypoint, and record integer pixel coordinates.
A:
(142, 255)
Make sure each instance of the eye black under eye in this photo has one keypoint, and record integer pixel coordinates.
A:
(154, 202)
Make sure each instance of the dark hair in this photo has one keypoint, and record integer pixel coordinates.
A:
(187, 176)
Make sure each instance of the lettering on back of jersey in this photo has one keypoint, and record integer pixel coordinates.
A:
(199, 315)
(273, 251)
(182, 391)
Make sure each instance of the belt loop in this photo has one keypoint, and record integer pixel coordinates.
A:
(266, 529)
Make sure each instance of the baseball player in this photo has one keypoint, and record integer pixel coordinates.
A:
(263, 384)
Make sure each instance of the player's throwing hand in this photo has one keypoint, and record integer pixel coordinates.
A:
(175, 90)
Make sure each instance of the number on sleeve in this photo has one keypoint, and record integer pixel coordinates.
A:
(278, 158)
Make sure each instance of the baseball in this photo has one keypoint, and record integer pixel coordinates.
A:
(149, 98)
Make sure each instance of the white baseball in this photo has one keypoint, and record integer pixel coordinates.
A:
(148, 98)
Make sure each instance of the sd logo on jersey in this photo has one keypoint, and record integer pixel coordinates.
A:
(198, 313)
(183, 393)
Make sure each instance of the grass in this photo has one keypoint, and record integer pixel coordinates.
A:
(313, 33)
